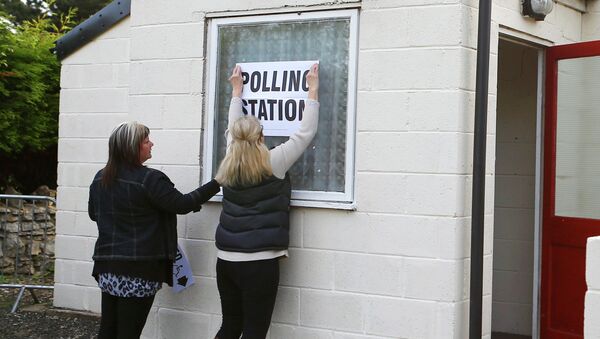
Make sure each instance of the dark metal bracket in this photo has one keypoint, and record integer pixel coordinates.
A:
(95, 25)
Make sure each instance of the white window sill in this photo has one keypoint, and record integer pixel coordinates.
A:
(338, 205)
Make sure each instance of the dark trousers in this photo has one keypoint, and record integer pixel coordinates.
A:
(248, 290)
(123, 318)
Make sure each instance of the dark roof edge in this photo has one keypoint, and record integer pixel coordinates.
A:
(95, 25)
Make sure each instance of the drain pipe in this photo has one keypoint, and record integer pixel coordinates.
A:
(478, 200)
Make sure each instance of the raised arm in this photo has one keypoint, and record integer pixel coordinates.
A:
(286, 154)
(235, 106)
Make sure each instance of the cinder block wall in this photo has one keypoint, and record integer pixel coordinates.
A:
(592, 296)
(563, 25)
(395, 267)
(591, 21)
(94, 98)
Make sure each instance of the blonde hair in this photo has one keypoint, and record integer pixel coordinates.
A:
(247, 161)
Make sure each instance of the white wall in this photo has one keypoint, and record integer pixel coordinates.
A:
(562, 25)
(591, 21)
(94, 98)
(398, 265)
(515, 189)
(592, 297)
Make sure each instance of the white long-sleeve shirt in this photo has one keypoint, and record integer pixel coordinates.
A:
(282, 158)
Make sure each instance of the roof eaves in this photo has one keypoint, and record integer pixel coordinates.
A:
(95, 25)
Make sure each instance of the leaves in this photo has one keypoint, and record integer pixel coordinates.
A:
(29, 85)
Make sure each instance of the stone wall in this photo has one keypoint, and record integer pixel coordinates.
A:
(27, 237)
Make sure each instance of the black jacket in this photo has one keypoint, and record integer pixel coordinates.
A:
(255, 218)
(136, 215)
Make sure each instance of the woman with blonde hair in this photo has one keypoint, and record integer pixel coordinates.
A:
(253, 231)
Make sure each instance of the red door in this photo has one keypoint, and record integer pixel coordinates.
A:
(571, 209)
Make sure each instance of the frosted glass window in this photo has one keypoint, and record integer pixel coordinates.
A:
(324, 171)
(577, 139)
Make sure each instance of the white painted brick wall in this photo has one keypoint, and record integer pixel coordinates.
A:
(89, 76)
(308, 268)
(82, 150)
(401, 318)
(102, 51)
(437, 110)
(68, 272)
(371, 273)
(158, 42)
(378, 69)
(591, 21)
(411, 27)
(332, 310)
(368, 274)
(77, 297)
(94, 98)
(430, 152)
(94, 125)
(388, 234)
(182, 324)
(166, 76)
(592, 296)
(418, 194)
(74, 247)
(75, 224)
(77, 174)
(562, 25)
(168, 111)
(296, 332)
(177, 147)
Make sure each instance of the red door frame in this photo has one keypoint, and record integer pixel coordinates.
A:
(566, 231)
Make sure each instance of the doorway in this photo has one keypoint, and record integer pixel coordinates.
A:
(517, 178)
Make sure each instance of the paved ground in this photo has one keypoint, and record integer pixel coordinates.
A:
(42, 321)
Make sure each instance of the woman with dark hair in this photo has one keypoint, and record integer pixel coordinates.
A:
(135, 209)
(253, 231)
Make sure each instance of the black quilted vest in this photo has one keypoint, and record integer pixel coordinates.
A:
(255, 218)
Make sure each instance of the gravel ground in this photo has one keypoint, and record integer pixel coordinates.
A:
(42, 321)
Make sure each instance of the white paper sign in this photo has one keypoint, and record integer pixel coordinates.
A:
(276, 93)
(182, 272)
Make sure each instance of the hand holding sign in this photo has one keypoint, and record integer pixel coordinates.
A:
(276, 92)
(312, 79)
(236, 82)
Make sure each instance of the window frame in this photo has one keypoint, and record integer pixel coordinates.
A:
(341, 200)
